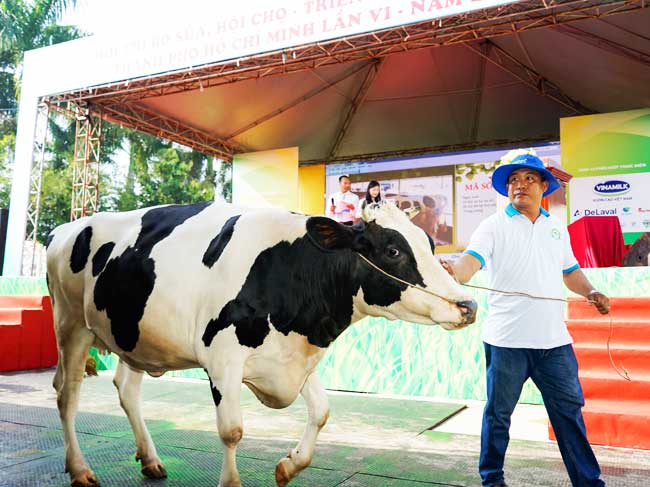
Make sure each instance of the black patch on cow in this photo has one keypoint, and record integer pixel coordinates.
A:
(126, 283)
(218, 244)
(379, 289)
(48, 240)
(81, 250)
(303, 289)
(251, 327)
(216, 395)
(101, 256)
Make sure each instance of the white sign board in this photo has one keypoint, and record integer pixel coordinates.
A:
(475, 200)
(206, 32)
(626, 196)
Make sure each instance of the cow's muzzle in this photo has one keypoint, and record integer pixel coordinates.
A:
(467, 311)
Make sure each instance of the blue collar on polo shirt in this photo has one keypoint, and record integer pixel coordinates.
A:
(512, 211)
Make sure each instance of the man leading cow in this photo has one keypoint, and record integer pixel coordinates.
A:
(526, 249)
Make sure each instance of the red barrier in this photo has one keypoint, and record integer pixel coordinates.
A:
(26, 333)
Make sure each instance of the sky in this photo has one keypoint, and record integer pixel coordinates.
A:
(114, 16)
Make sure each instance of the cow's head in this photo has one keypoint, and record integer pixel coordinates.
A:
(393, 243)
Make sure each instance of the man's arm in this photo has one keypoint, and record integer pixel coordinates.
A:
(464, 268)
(577, 282)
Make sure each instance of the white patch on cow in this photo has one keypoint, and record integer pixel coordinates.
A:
(276, 371)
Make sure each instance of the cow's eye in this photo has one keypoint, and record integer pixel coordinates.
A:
(392, 252)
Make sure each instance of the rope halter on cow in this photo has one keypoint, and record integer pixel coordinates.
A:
(622, 371)
(406, 283)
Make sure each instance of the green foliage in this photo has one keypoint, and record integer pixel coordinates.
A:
(29, 24)
(224, 180)
(163, 173)
(8, 102)
(158, 173)
(173, 176)
(7, 141)
(55, 200)
(24, 25)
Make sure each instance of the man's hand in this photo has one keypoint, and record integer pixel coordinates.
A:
(600, 301)
(449, 268)
(332, 209)
(463, 268)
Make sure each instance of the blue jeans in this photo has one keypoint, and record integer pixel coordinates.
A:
(555, 373)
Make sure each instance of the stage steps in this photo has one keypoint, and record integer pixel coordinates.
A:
(616, 412)
(26, 333)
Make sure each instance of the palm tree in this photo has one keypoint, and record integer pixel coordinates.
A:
(25, 25)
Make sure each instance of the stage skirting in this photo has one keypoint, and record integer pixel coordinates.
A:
(397, 357)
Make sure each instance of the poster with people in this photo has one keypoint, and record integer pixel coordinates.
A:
(447, 195)
(431, 201)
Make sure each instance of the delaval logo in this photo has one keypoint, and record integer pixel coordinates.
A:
(612, 188)
(600, 212)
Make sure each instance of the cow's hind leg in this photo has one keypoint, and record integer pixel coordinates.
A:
(226, 392)
(74, 341)
(318, 410)
(128, 382)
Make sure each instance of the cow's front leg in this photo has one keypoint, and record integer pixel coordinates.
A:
(226, 392)
(318, 410)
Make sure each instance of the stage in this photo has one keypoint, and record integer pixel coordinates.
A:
(369, 441)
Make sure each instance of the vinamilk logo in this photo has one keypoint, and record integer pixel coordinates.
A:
(612, 188)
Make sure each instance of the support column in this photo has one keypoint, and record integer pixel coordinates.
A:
(33, 257)
(85, 173)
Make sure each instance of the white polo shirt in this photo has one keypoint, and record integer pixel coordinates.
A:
(520, 255)
(346, 214)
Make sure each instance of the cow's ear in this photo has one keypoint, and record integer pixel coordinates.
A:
(328, 234)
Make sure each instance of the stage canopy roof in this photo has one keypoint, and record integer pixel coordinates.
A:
(499, 76)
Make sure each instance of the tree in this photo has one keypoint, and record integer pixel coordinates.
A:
(162, 173)
(7, 141)
(24, 25)
(56, 185)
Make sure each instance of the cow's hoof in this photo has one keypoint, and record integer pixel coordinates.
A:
(154, 470)
(283, 472)
(236, 482)
(85, 478)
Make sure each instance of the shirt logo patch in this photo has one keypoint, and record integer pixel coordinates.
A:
(555, 233)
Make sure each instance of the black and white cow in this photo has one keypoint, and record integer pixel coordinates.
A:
(252, 296)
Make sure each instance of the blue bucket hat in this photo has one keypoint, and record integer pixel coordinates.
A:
(523, 161)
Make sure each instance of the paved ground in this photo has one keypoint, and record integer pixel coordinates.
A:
(368, 442)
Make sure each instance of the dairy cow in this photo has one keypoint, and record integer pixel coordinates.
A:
(252, 296)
